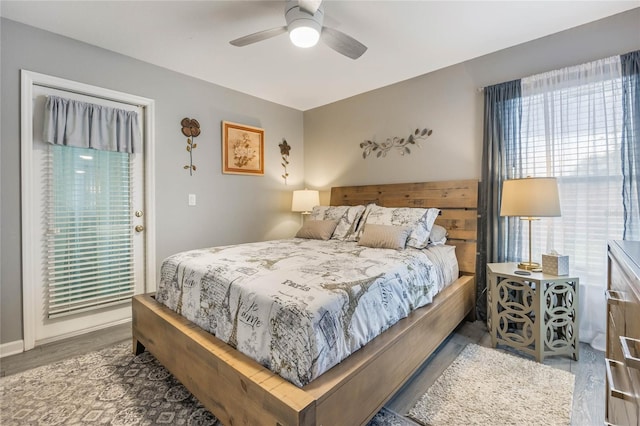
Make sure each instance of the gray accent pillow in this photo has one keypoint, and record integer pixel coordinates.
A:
(317, 229)
(384, 236)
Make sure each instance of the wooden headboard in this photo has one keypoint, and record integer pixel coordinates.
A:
(456, 199)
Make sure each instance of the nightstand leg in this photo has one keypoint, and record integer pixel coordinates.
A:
(538, 326)
(493, 309)
(576, 340)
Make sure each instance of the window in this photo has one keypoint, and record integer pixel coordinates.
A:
(571, 129)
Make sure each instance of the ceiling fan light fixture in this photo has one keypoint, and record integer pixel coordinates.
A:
(304, 32)
(304, 25)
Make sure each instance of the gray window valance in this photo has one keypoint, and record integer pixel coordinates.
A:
(85, 125)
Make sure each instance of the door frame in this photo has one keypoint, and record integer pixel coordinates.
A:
(30, 221)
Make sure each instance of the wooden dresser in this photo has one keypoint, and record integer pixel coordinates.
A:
(623, 334)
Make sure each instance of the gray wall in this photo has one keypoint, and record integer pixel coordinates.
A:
(230, 208)
(447, 101)
(235, 209)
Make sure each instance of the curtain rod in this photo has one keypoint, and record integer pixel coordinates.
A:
(76, 92)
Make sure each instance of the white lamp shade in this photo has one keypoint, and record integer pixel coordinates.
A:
(305, 200)
(530, 197)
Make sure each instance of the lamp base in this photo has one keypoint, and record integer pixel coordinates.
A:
(528, 266)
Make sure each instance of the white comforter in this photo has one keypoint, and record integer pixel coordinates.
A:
(297, 306)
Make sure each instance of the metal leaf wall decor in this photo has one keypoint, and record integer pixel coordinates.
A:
(284, 152)
(191, 129)
(402, 145)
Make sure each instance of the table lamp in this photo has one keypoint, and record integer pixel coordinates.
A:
(530, 198)
(304, 200)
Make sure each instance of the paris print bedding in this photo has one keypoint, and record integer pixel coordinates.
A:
(300, 306)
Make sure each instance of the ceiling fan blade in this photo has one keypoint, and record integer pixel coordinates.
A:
(309, 6)
(342, 43)
(259, 36)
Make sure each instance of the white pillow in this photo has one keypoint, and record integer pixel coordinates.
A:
(419, 220)
(363, 220)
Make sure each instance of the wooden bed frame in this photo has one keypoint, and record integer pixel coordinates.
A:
(239, 391)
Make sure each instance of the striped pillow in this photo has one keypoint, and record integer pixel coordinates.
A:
(384, 236)
(317, 229)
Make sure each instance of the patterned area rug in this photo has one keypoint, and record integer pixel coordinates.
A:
(111, 387)
(484, 386)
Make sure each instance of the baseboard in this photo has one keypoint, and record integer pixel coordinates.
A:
(11, 348)
(81, 332)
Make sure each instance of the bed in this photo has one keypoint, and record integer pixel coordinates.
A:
(238, 390)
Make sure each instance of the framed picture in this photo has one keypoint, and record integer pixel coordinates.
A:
(242, 149)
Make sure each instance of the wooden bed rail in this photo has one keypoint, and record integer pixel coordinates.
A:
(234, 387)
(239, 391)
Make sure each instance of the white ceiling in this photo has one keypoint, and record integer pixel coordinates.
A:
(405, 38)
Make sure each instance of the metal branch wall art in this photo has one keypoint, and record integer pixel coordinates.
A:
(191, 129)
(284, 152)
(402, 145)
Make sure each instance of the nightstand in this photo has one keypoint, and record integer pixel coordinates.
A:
(536, 314)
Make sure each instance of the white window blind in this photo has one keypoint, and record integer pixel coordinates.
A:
(571, 130)
(89, 242)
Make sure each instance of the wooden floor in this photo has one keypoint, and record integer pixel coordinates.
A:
(588, 396)
(64, 349)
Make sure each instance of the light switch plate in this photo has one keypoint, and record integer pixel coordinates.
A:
(192, 199)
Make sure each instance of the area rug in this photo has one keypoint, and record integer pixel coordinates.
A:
(110, 387)
(485, 386)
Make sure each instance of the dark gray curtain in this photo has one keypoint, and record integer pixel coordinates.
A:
(502, 118)
(84, 125)
(631, 144)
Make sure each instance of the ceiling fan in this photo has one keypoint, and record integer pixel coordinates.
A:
(304, 25)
